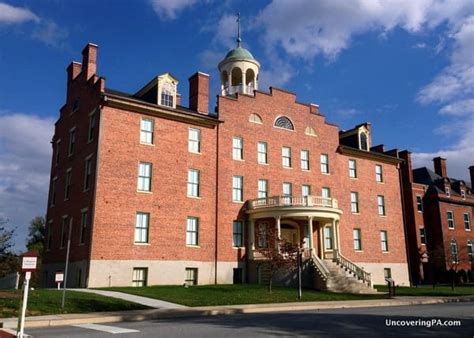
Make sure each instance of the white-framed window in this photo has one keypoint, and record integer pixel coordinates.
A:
(450, 217)
(305, 190)
(64, 231)
(423, 235)
(58, 152)
(354, 202)
(139, 277)
(384, 240)
(192, 231)
(88, 173)
(191, 276)
(387, 273)
(304, 159)
(194, 177)
(237, 189)
(262, 188)
(147, 127)
(364, 142)
(470, 254)
(419, 203)
(194, 140)
(82, 233)
(237, 233)
(144, 176)
(49, 235)
(237, 148)
(327, 238)
(448, 191)
(463, 194)
(357, 239)
(262, 235)
(142, 226)
(454, 251)
(67, 185)
(381, 205)
(378, 173)
(467, 221)
(72, 141)
(167, 97)
(262, 152)
(287, 189)
(286, 157)
(326, 192)
(352, 169)
(92, 126)
(324, 163)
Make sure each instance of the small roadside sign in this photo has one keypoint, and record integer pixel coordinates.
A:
(59, 277)
(29, 263)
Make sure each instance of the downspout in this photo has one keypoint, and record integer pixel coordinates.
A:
(217, 205)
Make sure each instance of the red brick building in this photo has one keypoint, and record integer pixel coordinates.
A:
(438, 216)
(150, 191)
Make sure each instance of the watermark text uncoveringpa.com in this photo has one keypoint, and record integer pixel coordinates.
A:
(422, 322)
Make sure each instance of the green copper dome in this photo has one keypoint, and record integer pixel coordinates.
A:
(239, 53)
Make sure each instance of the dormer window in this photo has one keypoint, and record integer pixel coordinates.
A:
(363, 143)
(463, 194)
(167, 95)
(162, 90)
(447, 190)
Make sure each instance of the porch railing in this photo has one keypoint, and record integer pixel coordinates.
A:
(292, 201)
(319, 265)
(352, 267)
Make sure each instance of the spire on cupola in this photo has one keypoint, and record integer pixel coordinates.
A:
(239, 69)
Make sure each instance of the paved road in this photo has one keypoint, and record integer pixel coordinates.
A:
(363, 322)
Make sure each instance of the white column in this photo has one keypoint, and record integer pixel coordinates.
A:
(229, 82)
(278, 227)
(321, 240)
(310, 233)
(244, 79)
(338, 237)
(251, 238)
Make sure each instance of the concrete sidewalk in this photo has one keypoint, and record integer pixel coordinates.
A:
(138, 315)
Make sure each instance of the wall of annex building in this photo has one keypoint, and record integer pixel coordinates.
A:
(118, 200)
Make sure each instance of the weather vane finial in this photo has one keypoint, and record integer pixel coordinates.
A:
(238, 30)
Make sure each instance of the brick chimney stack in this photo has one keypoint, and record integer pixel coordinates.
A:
(199, 93)
(471, 174)
(406, 166)
(440, 166)
(89, 58)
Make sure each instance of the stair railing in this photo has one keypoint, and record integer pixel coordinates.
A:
(318, 263)
(352, 267)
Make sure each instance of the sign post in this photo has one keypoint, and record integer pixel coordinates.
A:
(59, 278)
(28, 265)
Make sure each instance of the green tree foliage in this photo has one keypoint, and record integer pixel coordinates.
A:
(36, 233)
(9, 262)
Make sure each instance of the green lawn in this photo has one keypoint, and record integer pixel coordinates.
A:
(208, 295)
(48, 301)
(428, 290)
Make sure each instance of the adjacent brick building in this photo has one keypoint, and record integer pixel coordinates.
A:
(438, 214)
(150, 191)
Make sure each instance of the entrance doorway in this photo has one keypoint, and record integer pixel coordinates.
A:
(290, 234)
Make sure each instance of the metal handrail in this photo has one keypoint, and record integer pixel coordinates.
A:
(352, 267)
(318, 263)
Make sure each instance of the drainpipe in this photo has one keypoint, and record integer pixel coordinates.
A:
(217, 205)
(402, 197)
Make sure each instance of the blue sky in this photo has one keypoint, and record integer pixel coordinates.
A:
(405, 66)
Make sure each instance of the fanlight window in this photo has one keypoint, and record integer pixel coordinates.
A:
(310, 131)
(255, 118)
(284, 122)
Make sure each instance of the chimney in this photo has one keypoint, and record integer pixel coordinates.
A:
(199, 93)
(89, 58)
(406, 166)
(471, 173)
(73, 71)
(440, 166)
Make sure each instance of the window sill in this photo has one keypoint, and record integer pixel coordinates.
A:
(86, 190)
(354, 178)
(145, 192)
(193, 246)
(147, 144)
(263, 163)
(450, 228)
(467, 229)
(238, 159)
(382, 215)
(194, 197)
(328, 174)
(358, 250)
(385, 252)
(195, 152)
(238, 202)
(238, 247)
(306, 170)
(90, 141)
(141, 244)
(355, 213)
(380, 182)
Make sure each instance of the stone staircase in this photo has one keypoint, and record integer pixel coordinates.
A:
(341, 280)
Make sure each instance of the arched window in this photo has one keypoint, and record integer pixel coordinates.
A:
(236, 76)
(364, 145)
(284, 122)
(310, 131)
(255, 118)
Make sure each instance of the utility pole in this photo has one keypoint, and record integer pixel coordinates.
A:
(67, 264)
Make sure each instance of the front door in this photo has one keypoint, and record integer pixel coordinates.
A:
(289, 234)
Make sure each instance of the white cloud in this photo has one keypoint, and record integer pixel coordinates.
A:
(50, 33)
(25, 157)
(169, 9)
(15, 15)
(459, 108)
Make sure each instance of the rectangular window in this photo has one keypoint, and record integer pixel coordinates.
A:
(450, 217)
(192, 231)
(88, 174)
(326, 192)
(194, 140)
(166, 98)
(262, 235)
(381, 205)
(324, 163)
(191, 276)
(193, 182)
(262, 188)
(237, 148)
(354, 202)
(82, 234)
(262, 152)
(378, 173)
(139, 277)
(387, 273)
(419, 203)
(64, 230)
(470, 254)
(67, 186)
(467, 221)
(237, 189)
(286, 157)
(92, 126)
(327, 238)
(305, 190)
(357, 239)
(142, 226)
(287, 189)
(237, 233)
(352, 169)
(304, 159)
(72, 141)
(423, 236)
(147, 127)
(49, 235)
(54, 183)
(144, 176)
(384, 240)
(58, 151)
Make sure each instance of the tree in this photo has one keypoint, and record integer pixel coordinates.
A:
(280, 254)
(9, 262)
(448, 260)
(36, 234)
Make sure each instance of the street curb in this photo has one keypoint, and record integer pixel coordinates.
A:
(139, 315)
